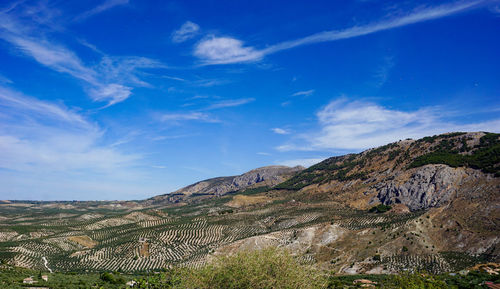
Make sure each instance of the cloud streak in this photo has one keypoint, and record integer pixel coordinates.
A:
(111, 81)
(301, 162)
(200, 114)
(358, 125)
(188, 116)
(226, 50)
(382, 74)
(278, 130)
(48, 150)
(106, 5)
(187, 31)
(51, 55)
(4, 79)
(15, 101)
(304, 93)
(229, 103)
(41, 136)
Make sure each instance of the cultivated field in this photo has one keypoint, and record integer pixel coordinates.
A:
(135, 239)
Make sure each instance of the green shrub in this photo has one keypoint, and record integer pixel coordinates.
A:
(227, 211)
(394, 154)
(253, 191)
(268, 268)
(110, 278)
(381, 208)
(411, 281)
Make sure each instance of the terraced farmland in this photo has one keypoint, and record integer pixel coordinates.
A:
(141, 240)
(434, 264)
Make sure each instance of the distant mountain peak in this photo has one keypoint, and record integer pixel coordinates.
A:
(263, 176)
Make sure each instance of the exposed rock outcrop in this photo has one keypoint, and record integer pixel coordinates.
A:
(429, 186)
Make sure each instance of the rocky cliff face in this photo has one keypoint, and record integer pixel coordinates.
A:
(429, 186)
(264, 176)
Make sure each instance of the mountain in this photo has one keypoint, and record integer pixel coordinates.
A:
(216, 187)
(451, 179)
(431, 204)
(419, 174)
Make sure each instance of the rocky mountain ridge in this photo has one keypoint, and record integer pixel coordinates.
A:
(417, 173)
(216, 187)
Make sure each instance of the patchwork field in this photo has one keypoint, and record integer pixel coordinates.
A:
(91, 239)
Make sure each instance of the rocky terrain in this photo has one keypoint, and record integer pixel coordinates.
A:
(216, 187)
(431, 204)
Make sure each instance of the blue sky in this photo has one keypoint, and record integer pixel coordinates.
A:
(127, 99)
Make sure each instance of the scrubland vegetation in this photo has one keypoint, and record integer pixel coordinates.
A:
(450, 149)
(485, 156)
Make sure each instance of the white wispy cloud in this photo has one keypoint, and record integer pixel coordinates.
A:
(382, 73)
(51, 55)
(187, 31)
(112, 93)
(200, 97)
(117, 77)
(209, 82)
(226, 50)
(111, 80)
(263, 153)
(28, 106)
(169, 137)
(4, 79)
(159, 167)
(304, 93)
(301, 162)
(106, 5)
(174, 78)
(356, 125)
(48, 150)
(278, 130)
(200, 114)
(229, 103)
(187, 116)
(42, 136)
(127, 69)
(495, 9)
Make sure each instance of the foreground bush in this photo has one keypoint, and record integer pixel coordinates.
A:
(411, 281)
(268, 268)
